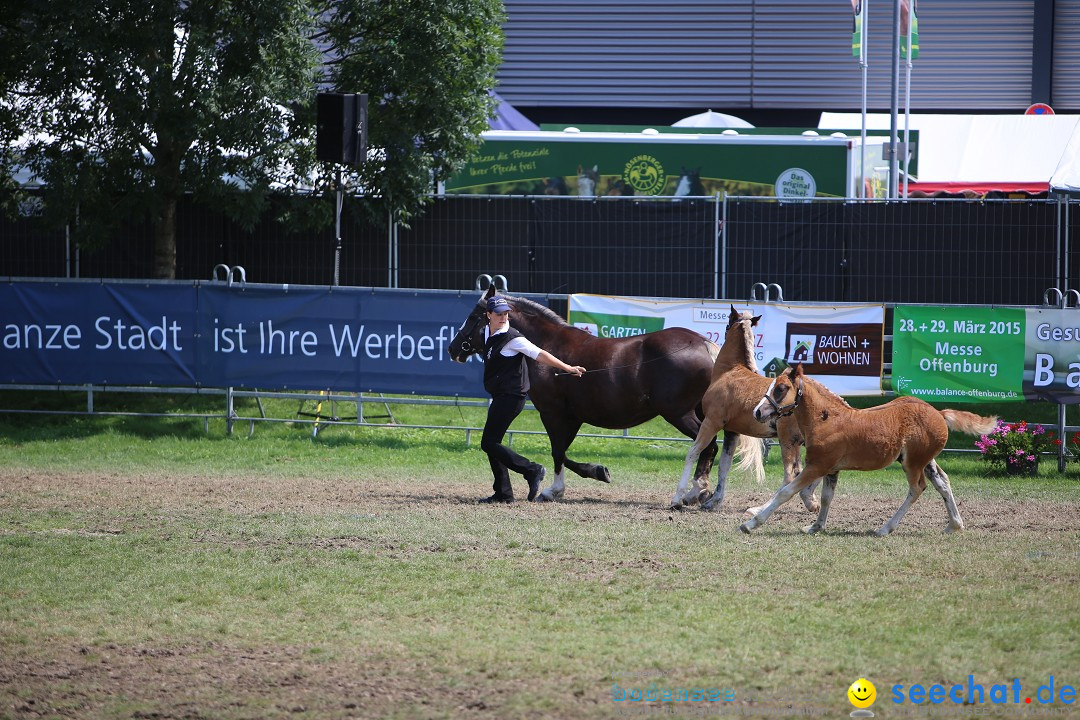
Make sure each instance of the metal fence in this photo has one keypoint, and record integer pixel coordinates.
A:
(930, 251)
(994, 252)
(911, 251)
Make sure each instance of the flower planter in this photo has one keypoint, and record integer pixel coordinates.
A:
(1025, 467)
(1010, 445)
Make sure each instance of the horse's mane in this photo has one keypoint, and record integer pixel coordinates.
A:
(535, 308)
(748, 339)
(822, 390)
(746, 358)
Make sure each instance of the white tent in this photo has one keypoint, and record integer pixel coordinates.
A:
(710, 119)
(980, 152)
(1066, 177)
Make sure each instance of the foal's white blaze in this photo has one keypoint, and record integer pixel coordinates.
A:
(762, 404)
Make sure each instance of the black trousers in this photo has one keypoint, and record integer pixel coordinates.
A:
(501, 412)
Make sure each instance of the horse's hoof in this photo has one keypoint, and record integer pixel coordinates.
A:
(745, 528)
(813, 508)
(602, 474)
(549, 495)
(950, 528)
(881, 532)
(812, 528)
(708, 499)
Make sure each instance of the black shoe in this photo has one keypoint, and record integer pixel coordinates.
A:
(535, 478)
(497, 499)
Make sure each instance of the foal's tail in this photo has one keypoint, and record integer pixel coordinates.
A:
(751, 457)
(968, 423)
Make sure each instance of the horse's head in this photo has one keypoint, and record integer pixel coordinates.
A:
(689, 183)
(783, 395)
(470, 336)
(588, 180)
(741, 318)
(555, 186)
(739, 337)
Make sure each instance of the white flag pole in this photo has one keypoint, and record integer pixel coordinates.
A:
(894, 135)
(907, 100)
(863, 35)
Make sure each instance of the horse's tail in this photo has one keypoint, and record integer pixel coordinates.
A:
(750, 451)
(714, 350)
(967, 422)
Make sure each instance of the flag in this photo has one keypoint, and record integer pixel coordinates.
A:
(857, 28)
(909, 25)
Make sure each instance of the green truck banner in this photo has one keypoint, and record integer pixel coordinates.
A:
(665, 164)
(958, 354)
(840, 346)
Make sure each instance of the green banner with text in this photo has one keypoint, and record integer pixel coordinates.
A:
(960, 354)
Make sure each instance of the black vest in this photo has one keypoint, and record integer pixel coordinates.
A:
(504, 375)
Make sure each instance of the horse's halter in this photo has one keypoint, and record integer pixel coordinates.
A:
(783, 410)
(469, 329)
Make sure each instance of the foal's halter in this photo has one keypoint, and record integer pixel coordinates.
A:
(783, 410)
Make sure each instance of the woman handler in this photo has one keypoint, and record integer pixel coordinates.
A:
(506, 378)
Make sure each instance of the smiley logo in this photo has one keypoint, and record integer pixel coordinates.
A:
(862, 693)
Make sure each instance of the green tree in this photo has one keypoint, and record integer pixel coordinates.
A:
(428, 67)
(129, 104)
(121, 107)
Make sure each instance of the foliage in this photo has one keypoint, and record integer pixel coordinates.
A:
(1072, 446)
(120, 107)
(427, 66)
(128, 105)
(1015, 447)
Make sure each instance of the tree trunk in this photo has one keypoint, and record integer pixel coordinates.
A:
(165, 242)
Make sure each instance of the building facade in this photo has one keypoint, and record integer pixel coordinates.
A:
(781, 62)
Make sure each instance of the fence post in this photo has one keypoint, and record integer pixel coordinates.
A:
(716, 247)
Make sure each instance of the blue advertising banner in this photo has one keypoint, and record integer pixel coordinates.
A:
(254, 336)
(121, 334)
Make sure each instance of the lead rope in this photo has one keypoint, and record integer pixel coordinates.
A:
(643, 362)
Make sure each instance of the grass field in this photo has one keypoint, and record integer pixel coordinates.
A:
(151, 569)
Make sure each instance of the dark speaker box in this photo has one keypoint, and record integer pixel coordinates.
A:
(341, 127)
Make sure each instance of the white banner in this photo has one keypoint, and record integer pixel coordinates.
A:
(840, 346)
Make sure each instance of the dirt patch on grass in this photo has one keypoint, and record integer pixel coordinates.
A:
(212, 681)
(225, 681)
(586, 502)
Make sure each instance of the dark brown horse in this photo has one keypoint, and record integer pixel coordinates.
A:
(628, 380)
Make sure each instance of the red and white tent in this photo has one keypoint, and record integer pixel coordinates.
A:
(979, 153)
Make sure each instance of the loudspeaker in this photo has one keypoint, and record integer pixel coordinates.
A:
(341, 127)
